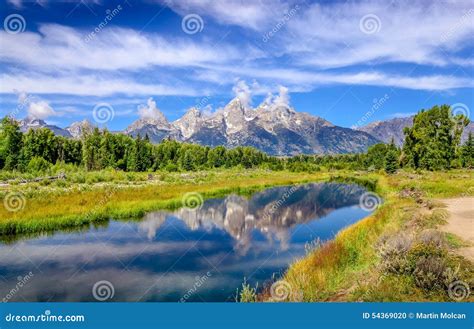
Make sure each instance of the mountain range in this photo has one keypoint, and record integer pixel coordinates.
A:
(276, 129)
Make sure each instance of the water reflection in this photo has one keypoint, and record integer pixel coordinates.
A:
(167, 254)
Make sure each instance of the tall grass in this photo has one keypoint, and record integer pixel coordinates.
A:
(59, 208)
(347, 268)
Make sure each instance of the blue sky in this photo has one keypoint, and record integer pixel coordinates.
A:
(349, 62)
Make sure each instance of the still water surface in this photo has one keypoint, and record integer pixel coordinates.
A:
(184, 255)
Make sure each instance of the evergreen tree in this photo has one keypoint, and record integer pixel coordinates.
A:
(391, 161)
(91, 150)
(10, 143)
(467, 152)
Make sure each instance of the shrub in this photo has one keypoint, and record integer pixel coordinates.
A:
(394, 253)
(429, 272)
(38, 164)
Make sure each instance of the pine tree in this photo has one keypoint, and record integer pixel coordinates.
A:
(10, 143)
(467, 152)
(391, 161)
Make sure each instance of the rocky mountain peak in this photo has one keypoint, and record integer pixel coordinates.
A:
(79, 128)
(31, 122)
(234, 116)
(189, 123)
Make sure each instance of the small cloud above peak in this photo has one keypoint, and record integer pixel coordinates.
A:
(150, 111)
(280, 100)
(243, 93)
(40, 110)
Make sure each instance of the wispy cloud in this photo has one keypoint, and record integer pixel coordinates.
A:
(323, 44)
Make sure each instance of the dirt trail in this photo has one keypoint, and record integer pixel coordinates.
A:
(461, 222)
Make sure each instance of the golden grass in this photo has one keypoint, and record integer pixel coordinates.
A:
(77, 207)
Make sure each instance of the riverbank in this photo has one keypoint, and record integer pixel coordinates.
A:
(399, 253)
(36, 207)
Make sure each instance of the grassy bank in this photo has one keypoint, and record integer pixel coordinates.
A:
(65, 204)
(396, 254)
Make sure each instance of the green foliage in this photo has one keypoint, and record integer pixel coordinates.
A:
(376, 156)
(10, 144)
(391, 161)
(432, 143)
(38, 164)
(467, 152)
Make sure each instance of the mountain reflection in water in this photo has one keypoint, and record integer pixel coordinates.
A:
(164, 256)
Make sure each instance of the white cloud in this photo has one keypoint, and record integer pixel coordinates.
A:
(283, 98)
(299, 80)
(245, 13)
(280, 100)
(86, 85)
(40, 110)
(412, 32)
(243, 92)
(150, 111)
(62, 47)
(58, 60)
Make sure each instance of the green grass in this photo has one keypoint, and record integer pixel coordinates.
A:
(454, 241)
(49, 208)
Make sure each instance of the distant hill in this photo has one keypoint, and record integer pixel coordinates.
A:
(393, 128)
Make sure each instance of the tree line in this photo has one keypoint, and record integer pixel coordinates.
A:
(432, 143)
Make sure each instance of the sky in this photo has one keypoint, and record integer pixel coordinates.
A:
(352, 63)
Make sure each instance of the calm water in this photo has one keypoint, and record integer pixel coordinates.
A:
(187, 255)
